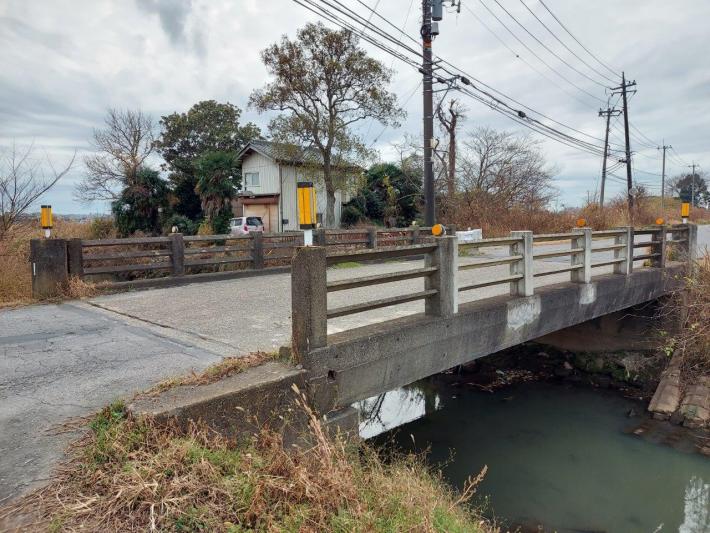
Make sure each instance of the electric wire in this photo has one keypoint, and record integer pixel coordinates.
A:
(577, 40)
(548, 48)
(563, 44)
(525, 45)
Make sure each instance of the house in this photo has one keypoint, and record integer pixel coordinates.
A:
(270, 172)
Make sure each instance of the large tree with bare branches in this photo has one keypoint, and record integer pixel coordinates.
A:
(323, 84)
(23, 180)
(121, 149)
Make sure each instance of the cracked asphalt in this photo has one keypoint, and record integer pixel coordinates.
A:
(59, 362)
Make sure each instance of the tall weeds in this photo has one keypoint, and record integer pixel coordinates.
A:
(128, 474)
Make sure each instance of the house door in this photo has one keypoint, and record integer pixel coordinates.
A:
(269, 214)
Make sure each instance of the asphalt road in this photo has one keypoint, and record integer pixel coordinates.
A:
(68, 360)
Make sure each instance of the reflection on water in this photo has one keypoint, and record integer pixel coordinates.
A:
(556, 455)
(697, 507)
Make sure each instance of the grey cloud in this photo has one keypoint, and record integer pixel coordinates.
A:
(173, 15)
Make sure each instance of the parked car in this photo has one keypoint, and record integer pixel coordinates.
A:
(245, 225)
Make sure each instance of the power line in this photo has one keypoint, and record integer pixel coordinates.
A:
(521, 58)
(524, 44)
(577, 40)
(563, 44)
(548, 48)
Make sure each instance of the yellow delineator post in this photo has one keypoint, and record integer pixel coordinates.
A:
(685, 211)
(45, 220)
(306, 210)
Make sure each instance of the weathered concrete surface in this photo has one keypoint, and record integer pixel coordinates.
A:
(237, 406)
(50, 267)
(367, 361)
(69, 360)
(666, 399)
(695, 407)
(630, 329)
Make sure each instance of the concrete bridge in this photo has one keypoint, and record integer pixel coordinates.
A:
(59, 361)
(606, 273)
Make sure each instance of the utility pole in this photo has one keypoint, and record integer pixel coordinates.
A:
(663, 176)
(428, 107)
(624, 93)
(608, 113)
(692, 184)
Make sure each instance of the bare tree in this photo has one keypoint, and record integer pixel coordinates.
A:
(22, 182)
(449, 121)
(121, 148)
(506, 168)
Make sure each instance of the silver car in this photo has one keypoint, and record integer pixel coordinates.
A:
(245, 225)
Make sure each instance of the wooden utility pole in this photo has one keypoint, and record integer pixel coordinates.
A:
(608, 113)
(692, 184)
(624, 94)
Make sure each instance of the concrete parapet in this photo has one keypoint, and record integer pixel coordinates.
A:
(445, 258)
(363, 362)
(50, 267)
(237, 406)
(524, 267)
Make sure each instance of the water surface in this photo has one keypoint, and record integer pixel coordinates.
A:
(557, 455)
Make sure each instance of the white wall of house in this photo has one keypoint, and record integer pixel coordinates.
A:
(268, 171)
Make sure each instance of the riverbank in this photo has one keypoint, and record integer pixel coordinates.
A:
(133, 474)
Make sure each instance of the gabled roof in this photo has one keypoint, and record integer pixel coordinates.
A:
(288, 154)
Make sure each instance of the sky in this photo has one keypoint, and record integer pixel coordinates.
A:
(65, 62)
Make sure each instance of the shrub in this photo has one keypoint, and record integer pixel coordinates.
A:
(102, 228)
(351, 215)
(183, 224)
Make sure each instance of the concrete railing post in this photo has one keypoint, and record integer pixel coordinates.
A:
(660, 244)
(372, 237)
(177, 249)
(583, 257)
(626, 253)
(76, 258)
(257, 250)
(525, 285)
(446, 259)
(50, 267)
(689, 249)
(309, 300)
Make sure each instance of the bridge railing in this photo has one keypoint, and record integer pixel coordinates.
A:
(310, 286)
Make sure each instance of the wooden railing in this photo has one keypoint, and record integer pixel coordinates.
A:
(177, 255)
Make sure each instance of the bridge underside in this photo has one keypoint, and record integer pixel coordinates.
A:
(370, 360)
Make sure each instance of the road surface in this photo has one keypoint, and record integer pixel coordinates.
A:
(68, 360)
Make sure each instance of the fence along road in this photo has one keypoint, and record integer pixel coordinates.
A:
(62, 361)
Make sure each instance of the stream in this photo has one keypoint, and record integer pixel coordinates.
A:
(559, 456)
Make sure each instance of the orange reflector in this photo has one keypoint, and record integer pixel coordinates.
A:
(581, 222)
(660, 221)
(45, 217)
(437, 230)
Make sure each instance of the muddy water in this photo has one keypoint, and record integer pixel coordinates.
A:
(561, 456)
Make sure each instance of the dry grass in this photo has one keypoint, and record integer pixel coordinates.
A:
(690, 344)
(130, 474)
(225, 368)
(497, 221)
(15, 275)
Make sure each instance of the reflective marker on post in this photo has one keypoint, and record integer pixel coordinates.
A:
(306, 210)
(45, 220)
(685, 211)
(438, 230)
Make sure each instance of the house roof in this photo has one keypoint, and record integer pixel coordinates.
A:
(289, 154)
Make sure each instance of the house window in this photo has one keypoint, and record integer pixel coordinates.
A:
(251, 179)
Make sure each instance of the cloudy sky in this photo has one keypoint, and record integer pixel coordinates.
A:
(64, 62)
